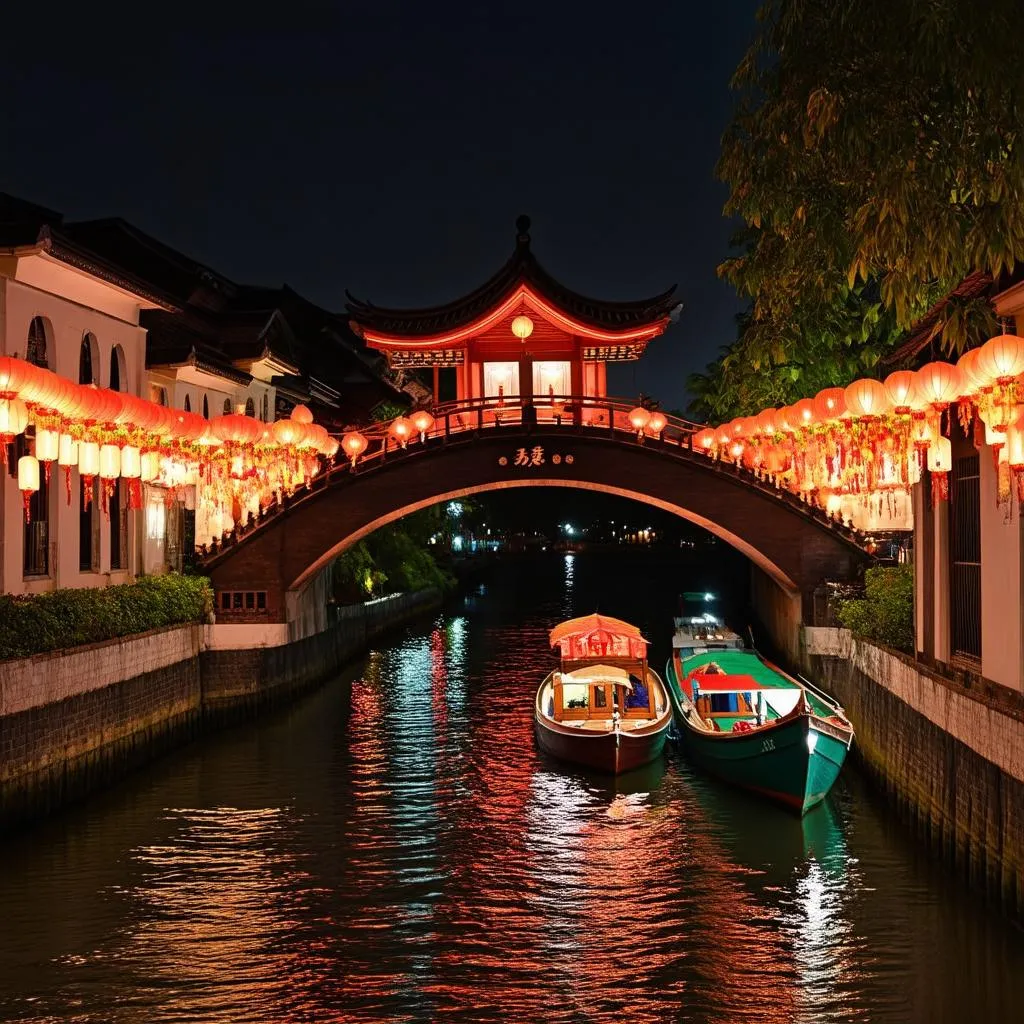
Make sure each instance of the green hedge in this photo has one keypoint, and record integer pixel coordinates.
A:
(886, 613)
(68, 618)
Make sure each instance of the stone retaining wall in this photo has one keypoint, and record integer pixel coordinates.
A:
(238, 681)
(950, 759)
(73, 720)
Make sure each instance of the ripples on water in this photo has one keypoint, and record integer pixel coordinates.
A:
(395, 849)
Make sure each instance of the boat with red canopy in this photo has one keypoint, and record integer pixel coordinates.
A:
(748, 722)
(604, 706)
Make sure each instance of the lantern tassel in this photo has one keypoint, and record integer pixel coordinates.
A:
(27, 498)
(67, 483)
(940, 488)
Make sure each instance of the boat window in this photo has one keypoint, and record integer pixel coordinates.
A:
(574, 695)
(600, 697)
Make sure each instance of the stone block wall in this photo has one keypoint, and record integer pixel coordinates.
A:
(236, 682)
(73, 720)
(951, 760)
(52, 753)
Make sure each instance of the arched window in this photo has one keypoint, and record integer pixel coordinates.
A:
(266, 407)
(36, 351)
(118, 372)
(206, 408)
(250, 408)
(188, 404)
(88, 361)
(158, 394)
(227, 406)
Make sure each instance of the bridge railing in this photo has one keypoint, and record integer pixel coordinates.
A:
(560, 411)
(461, 421)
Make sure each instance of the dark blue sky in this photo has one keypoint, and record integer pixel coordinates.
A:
(387, 148)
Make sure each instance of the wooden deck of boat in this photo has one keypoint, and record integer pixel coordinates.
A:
(605, 724)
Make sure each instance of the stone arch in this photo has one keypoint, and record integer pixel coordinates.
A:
(794, 548)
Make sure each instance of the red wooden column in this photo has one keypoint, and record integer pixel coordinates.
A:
(526, 380)
(437, 382)
(576, 380)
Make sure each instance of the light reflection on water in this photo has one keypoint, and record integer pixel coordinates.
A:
(395, 849)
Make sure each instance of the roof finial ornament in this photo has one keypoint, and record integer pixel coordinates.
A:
(522, 229)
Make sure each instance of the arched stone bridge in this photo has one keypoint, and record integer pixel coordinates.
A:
(478, 446)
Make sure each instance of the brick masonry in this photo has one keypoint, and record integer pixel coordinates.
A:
(950, 760)
(71, 729)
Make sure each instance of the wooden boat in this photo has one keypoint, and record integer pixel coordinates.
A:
(604, 707)
(743, 719)
(698, 627)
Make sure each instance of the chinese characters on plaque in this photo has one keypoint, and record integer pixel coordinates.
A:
(526, 458)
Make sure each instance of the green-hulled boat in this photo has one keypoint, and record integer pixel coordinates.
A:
(746, 721)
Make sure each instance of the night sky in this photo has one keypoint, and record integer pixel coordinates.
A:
(387, 148)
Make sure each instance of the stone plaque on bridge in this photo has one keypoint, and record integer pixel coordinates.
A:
(531, 458)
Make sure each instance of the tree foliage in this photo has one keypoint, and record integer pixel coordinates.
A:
(395, 558)
(875, 159)
(886, 613)
(759, 371)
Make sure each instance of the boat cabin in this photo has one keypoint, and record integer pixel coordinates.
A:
(603, 671)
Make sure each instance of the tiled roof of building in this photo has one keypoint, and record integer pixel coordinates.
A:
(521, 268)
(929, 326)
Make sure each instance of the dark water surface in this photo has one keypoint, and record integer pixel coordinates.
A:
(393, 848)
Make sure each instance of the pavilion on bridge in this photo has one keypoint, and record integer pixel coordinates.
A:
(521, 337)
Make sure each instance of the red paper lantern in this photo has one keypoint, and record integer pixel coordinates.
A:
(704, 440)
(301, 414)
(901, 390)
(1001, 359)
(288, 432)
(14, 375)
(401, 429)
(804, 412)
(938, 383)
(766, 421)
(422, 421)
(866, 398)
(354, 444)
(972, 377)
(656, 423)
(829, 404)
(236, 429)
(638, 419)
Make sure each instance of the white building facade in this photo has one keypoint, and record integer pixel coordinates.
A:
(83, 324)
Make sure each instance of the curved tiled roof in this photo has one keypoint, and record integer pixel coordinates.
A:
(522, 268)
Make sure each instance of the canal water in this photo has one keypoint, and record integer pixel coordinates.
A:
(393, 848)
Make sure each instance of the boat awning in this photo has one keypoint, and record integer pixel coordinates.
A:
(720, 683)
(592, 636)
(590, 675)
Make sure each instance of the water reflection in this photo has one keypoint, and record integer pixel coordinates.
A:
(394, 848)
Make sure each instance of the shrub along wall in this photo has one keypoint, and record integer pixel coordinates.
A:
(885, 615)
(39, 623)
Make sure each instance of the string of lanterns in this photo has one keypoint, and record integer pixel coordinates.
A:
(240, 462)
(857, 451)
